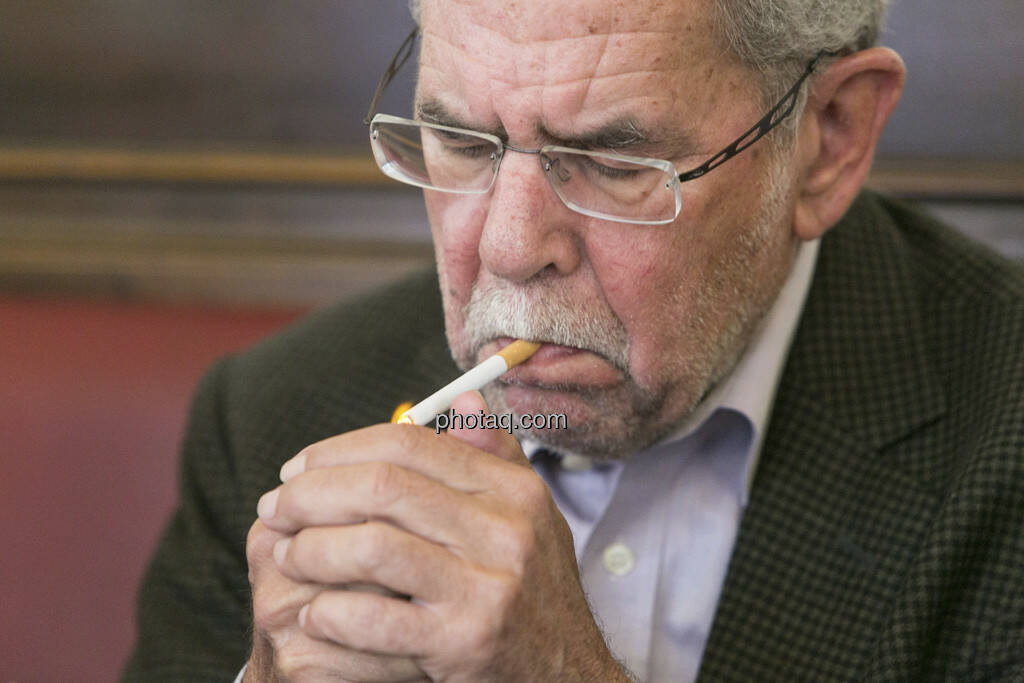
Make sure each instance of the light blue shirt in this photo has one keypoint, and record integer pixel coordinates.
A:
(654, 534)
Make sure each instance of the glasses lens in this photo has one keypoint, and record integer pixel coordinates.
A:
(613, 187)
(435, 157)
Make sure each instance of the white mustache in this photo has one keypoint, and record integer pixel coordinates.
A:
(544, 315)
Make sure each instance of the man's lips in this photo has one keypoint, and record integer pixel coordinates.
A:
(554, 364)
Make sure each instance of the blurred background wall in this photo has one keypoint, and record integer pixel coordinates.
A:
(178, 178)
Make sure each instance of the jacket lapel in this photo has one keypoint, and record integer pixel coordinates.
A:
(836, 509)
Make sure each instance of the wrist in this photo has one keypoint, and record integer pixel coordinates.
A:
(598, 664)
(610, 672)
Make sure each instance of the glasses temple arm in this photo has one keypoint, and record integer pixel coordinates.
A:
(400, 58)
(762, 127)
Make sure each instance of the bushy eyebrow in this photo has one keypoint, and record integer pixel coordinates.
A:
(619, 134)
(624, 132)
(434, 111)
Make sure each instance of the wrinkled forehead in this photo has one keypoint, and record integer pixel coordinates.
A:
(539, 20)
(566, 61)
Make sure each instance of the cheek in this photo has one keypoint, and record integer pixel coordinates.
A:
(636, 265)
(699, 226)
(635, 275)
(627, 278)
(456, 223)
(710, 224)
(651, 280)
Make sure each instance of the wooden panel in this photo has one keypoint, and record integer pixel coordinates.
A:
(268, 73)
(197, 166)
(945, 179)
(991, 180)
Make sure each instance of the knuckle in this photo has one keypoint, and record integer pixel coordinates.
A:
(262, 614)
(386, 482)
(303, 551)
(372, 548)
(294, 665)
(407, 438)
(258, 543)
(533, 491)
(252, 541)
(479, 637)
(319, 617)
(267, 613)
(314, 555)
(521, 543)
(497, 601)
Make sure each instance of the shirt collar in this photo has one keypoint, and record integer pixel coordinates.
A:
(749, 388)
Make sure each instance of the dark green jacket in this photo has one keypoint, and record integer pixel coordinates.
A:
(884, 539)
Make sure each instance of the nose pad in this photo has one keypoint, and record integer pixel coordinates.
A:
(527, 227)
(496, 158)
(516, 184)
(555, 169)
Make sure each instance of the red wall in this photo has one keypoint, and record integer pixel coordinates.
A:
(93, 398)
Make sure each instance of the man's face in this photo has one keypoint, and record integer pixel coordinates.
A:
(643, 319)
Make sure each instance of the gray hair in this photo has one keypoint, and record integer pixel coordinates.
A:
(777, 38)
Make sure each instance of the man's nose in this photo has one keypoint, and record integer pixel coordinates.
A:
(528, 228)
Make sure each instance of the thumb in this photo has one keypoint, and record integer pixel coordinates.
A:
(483, 433)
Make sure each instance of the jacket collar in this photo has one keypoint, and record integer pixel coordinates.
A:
(860, 357)
(824, 540)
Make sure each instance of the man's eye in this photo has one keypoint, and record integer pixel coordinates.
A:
(472, 151)
(464, 145)
(611, 171)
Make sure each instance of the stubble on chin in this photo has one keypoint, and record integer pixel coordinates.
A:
(604, 423)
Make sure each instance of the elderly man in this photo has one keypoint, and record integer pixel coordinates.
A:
(784, 458)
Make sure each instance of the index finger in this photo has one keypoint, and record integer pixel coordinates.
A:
(438, 456)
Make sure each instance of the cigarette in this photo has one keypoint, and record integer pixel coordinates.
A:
(491, 369)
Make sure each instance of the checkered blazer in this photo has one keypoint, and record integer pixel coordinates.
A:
(884, 539)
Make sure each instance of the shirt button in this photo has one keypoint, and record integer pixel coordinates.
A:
(576, 463)
(618, 559)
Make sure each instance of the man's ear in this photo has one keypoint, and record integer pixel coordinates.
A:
(847, 108)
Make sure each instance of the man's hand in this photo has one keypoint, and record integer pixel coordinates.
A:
(282, 651)
(460, 525)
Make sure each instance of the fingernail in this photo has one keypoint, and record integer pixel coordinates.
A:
(296, 465)
(302, 615)
(267, 505)
(281, 550)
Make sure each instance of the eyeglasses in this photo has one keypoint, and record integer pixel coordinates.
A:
(614, 187)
